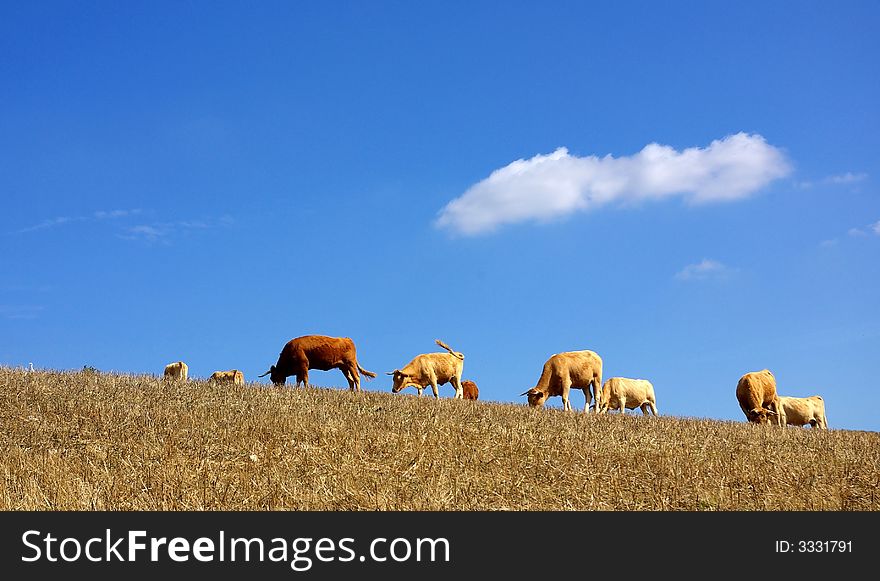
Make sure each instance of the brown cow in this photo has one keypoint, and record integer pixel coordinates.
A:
(431, 369)
(233, 376)
(757, 397)
(301, 354)
(176, 371)
(563, 371)
(469, 389)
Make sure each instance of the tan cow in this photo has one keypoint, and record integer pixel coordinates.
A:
(233, 376)
(567, 370)
(623, 393)
(176, 371)
(469, 389)
(800, 411)
(757, 397)
(432, 369)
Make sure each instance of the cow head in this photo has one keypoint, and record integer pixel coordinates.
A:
(400, 381)
(760, 415)
(537, 398)
(277, 377)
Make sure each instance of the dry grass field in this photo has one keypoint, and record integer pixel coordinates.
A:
(96, 441)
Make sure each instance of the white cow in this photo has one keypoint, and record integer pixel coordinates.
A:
(176, 371)
(800, 411)
(623, 393)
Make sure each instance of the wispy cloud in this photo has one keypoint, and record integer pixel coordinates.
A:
(706, 269)
(857, 232)
(847, 178)
(20, 311)
(162, 232)
(547, 187)
(870, 229)
(95, 216)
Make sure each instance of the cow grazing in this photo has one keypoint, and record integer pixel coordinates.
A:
(800, 411)
(757, 397)
(432, 369)
(176, 371)
(233, 376)
(301, 354)
(623, 393)
(567, 370)
(469, 389)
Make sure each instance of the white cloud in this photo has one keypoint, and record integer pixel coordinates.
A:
(839, 179)
(163, 231)
(856, 232)
(704, 270)
(847, 178)
(875, 227)
(61, 220)
(145, 232)
(550, 186)
(829, 243)
(101, 214)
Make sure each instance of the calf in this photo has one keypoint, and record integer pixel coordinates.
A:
(469, 389)
(623, 393)
(800, 411)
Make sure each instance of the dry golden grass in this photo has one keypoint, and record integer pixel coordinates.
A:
(86, 441)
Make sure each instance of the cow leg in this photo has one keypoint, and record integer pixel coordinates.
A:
(780, 413)
(356, 377)
(566, 394)
(302, 377)
(354, 380)
(588, 400)
(347, 373)
(434, 388)
(621, 402)
(456, 383)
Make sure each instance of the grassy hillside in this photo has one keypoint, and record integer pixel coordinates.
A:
(118, 442)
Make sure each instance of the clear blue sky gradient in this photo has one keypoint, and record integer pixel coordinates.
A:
(206, 180)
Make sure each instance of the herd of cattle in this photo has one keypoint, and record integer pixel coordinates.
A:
(755, 391)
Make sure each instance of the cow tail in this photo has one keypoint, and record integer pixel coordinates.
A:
(448, 348)
(365, 373)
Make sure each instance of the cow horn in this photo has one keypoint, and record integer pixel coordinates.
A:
(389, 373)
(526, 392)
(265, 374)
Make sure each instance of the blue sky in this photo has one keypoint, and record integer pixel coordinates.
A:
(687, 188)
